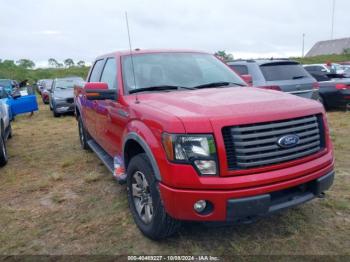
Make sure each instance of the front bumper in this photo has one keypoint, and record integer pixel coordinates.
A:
(245, 204)
(64, 107)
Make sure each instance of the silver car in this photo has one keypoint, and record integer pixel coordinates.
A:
(61, 97)
(5, 125)
(283, 75)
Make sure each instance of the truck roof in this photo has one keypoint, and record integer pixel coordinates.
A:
(149, 51)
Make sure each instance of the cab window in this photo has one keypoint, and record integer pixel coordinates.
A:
(96, 71)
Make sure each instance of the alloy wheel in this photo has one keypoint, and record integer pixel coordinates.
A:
(142, 197)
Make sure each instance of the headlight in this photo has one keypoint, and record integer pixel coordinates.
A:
(199, 150)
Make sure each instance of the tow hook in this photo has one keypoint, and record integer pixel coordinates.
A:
(322, 195)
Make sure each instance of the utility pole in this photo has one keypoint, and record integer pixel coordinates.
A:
(303, 48)
(333, 11)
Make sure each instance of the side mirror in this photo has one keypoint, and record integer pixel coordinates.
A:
(99, 91)
(248, 79)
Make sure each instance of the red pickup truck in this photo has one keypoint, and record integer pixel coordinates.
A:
(192, 142)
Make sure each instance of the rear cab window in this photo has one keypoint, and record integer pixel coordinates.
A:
(280, 71)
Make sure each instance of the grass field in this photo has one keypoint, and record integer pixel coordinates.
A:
(57, 199)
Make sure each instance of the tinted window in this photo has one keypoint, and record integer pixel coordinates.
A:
(240, 69)
(109, 74)
(96, 71)
(175, 69)
(314, 68)
(320, 77)
(283, 71)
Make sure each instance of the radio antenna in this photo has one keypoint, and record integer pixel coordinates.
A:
(131, 56)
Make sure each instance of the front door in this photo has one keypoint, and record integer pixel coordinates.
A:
(108, 130)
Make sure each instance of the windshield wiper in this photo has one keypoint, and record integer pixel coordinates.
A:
(158, 88)
(298, 77)
(218, 84)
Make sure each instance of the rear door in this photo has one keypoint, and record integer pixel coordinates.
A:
(290, 76)
(89, 106)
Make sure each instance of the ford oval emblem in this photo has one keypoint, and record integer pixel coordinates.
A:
(288, 141)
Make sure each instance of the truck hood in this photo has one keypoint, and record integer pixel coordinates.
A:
(201, 110)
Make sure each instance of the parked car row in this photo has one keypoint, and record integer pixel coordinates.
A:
(329, 84)
(59, 93)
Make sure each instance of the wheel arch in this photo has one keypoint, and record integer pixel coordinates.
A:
(135, 142)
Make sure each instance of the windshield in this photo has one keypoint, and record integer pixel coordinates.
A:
(5, 83)
(67, 83)
(283, 71)
(175, 69)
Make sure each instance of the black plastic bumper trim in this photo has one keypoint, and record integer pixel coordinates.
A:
(248, 208)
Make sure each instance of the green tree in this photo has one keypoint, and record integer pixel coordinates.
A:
(81, 63)
(26, 63)
(224, 56)
(68, 62)
(346, 51)
(53, 62)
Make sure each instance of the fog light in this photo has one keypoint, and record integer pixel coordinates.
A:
(206, 167)
(199, 206)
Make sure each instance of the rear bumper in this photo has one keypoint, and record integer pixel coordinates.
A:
(242, 204)
(338, 99)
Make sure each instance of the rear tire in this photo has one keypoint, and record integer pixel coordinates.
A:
(145, 202)
(10, 131)
(83, 135)
(323, 102)
(3, 152)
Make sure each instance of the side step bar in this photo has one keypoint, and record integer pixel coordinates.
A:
(106, 159)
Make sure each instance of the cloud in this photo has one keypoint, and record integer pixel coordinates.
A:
(50, 32)
(82, 30)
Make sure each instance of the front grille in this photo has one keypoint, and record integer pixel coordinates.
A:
(70, 100)
(255, 145)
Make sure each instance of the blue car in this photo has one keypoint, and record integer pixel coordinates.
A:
(19, 102)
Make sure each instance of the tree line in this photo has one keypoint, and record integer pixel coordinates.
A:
(52, 62)
(24, 69)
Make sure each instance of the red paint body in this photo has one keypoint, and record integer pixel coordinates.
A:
(204, 111)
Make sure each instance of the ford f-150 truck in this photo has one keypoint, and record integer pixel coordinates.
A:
(193, 143)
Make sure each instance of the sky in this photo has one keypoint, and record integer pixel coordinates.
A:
(82, 29)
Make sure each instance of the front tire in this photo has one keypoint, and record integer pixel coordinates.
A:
(145, 202)
(55, 114)
(3, 152)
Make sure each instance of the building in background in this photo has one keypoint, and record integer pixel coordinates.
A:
(329, 47)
